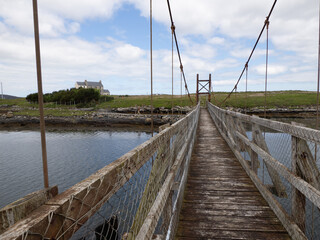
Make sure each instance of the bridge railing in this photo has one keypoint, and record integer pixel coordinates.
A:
(138, 196)
(283, 162)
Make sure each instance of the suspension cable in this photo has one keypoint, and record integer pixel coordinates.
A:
(246, 102)
(151, 70)
(254, 48)
(178, 51)
(266, 77)
(172, 30)
(318, 83)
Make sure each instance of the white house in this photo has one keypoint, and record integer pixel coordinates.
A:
(95, 85)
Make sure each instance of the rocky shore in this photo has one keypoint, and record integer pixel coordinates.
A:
(90, 120)
(299, 111)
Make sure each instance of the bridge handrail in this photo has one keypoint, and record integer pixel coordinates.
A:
(66, 213)
(303, 173)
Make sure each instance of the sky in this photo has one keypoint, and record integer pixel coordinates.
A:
(109, 40)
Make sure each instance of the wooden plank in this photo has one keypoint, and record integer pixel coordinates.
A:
(21, 208)
(227, 234)
(258, 139)
(298, 200)
(307, 164)
(231, 225)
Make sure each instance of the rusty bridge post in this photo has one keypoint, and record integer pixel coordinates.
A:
(205, 87)
(40, 94)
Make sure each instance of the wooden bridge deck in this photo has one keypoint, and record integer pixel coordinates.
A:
(220, 200)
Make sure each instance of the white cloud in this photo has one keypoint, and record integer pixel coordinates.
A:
(216, 40)
(244, 53)
(272, 69)
(224, 31)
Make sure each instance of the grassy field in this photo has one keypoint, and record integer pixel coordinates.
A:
(288, 99)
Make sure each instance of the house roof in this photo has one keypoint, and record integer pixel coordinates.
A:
(91, 84)
(94, 84)
(106, 90)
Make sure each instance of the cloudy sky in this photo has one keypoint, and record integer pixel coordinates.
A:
(108, 40)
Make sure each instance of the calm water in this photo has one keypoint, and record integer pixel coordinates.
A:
(72, 156)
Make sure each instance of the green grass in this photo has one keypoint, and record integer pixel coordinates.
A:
(158, 101)
(288, 99)
(50, 112)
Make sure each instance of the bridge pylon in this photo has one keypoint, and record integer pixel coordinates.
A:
(204, 87)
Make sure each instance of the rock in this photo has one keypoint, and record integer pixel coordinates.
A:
(148, 120)
(9, 115)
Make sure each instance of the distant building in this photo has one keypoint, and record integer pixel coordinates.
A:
(95, 85)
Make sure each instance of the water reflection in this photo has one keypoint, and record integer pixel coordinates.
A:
(72, 156)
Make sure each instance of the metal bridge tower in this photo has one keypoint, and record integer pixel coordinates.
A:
(203, 88)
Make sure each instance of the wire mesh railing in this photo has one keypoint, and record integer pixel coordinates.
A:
(138, 196)
(283, 161)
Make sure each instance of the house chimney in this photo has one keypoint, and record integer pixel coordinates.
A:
(86, 82)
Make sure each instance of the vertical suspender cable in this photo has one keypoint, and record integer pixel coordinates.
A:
(40, 94)
(246, 104)
(181, 89)
(151, 70)
(318, 82)
(266, 84)
(172, 30)
(266, 77)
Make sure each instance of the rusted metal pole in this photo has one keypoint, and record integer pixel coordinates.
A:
(266, 76)
(172, 30)
(40, 94)
(197, 88)
(2, 91)
(246, 88)
(318, 82)
(210, 87)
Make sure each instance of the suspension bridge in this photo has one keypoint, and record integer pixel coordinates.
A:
(214, 174)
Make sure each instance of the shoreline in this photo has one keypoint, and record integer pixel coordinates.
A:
(96, 121)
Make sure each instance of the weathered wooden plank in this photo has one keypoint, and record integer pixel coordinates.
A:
(227, 234)
(307, 164)
(233, 219)
(222, 206)
(258, 139)
(21, 208)
(298, 200)
(228, 224)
